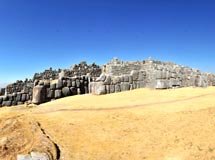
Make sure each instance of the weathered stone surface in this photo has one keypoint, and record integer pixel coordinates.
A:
(24, 157)
(73, 83)
(39, 94)
(2, 91)
(39, 156)
(53, 86)
(20, 103)
(27, 97)
(112, 89)
(125, 86)
(1, 99)
(36, 82)
(23, 98)
(86, 90)
(14, 103)
(126, 78)
(78, 91)
(58, 93)
(107, 80)
(10, 97)
(130, 79)
(33, 156)
(18, 97)
(117, 88)
(62, 74)
(97, 88)
(41, 83)
(5, 98)
(47, 84)
(135, 75)
(101, 78)
(78, 83)
(66, 91)
(134, 85)
(73, 90)
(69, 83)
(59, 84)
(64, 83)
(50, 93)
(107, 89)
(7, 103)
(116, 80)
(162, 84)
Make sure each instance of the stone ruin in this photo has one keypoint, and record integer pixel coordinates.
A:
(50, 85)
(120, 76)
(115, 76)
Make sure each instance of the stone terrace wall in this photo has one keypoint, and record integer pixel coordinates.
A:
(76, 70)
(45, 91)
(20, 86)
(47, 74)
(83, 68)
(50, 85)
(120, 76)
(2, 91)
(15, 99)
(115, 76)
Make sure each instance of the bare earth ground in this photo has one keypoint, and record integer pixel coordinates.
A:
(140, 124)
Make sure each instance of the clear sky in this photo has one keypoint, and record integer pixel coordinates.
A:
(38, 34)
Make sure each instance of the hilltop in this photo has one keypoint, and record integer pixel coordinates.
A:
(138, 124)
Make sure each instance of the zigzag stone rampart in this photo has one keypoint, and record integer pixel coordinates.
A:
(115, 76)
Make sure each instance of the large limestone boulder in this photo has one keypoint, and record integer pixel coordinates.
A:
(162, 84)
(39, 94)
(66, 91)
(97, 88)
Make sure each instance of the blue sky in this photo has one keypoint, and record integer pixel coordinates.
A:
(38, 34)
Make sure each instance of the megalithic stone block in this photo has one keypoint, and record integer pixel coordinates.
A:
(39, 94)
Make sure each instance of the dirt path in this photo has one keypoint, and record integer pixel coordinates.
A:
(127, 107)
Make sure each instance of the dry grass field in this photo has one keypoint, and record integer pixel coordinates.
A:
(176, 124)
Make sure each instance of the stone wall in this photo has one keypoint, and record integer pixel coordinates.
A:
(83, 68)
(76, 70)
(2, 91)
(47, 74)
(45, 91)
(50, 84)
(115, 76)
(120, 76)
(15, 99)
(20, 86)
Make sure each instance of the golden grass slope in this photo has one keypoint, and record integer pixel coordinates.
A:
(177, 124)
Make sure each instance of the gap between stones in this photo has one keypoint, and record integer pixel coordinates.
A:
(58, 154)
